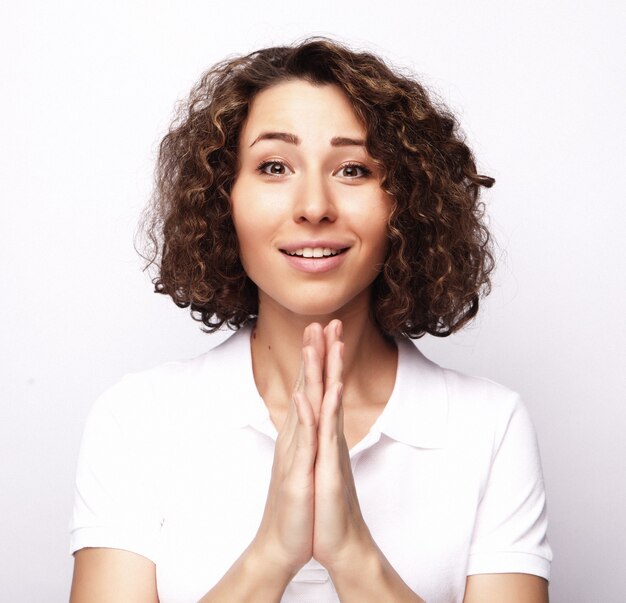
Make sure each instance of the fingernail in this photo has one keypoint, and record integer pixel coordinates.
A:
(339, 330)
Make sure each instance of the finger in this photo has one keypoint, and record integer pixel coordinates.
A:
(291, 420)
(313, 378)
(333, 334)
(286, 435)
(299, 384)
(334, 330)
(306, 440)
(288, 428)
(294, 422)
(315, 338)
(334, 364)
(331, 415)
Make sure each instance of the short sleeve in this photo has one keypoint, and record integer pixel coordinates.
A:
(511, 524)
(115, 494)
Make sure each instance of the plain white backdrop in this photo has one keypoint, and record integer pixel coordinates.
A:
(88, 89)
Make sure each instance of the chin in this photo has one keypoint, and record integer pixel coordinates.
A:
(320, 308)
(315, 311)
(321, 314)
(317, 302)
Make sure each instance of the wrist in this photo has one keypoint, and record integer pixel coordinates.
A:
(255, 576)
(362, 552)
(365, 575)
(264, 562)
(356, 567)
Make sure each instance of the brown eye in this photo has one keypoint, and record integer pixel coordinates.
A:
(273, 168)
(353, 170)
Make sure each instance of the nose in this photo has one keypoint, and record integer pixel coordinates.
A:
(314, 202)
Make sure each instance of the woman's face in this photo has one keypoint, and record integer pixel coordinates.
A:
(308, 209)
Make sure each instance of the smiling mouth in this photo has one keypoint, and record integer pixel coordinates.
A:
(314, 252)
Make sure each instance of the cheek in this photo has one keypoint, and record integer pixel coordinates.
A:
(243, 210)
(255, 207)
(374, 223)
(247, 239)
(254, 228)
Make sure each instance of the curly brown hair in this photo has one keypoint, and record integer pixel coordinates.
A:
(439, 253)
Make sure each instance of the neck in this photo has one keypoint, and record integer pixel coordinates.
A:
(369, 357)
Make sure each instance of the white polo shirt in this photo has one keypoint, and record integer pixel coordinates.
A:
(175, 464)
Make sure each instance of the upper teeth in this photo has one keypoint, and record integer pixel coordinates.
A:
(314, 252)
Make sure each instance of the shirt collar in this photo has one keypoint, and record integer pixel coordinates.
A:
(416, 413)
(242, 404)
(417, 410)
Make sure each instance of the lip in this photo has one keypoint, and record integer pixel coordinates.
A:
(315, 265)
(334, 245)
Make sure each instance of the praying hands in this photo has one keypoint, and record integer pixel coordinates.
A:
(312, 507)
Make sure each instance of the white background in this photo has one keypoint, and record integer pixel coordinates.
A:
(88, 88)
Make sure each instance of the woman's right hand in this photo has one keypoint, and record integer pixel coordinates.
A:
(286, 531)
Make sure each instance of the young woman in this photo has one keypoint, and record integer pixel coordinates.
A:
(323, 206)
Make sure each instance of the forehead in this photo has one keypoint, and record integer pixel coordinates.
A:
(308, 110)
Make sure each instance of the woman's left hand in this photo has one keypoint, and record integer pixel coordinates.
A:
(339, 529)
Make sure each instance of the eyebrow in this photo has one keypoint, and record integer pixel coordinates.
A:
(336, 141)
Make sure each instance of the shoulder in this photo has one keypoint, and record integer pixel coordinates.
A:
(475, 407)
(480, 408)
(477, 423)
(479, 395)
(165, 393)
